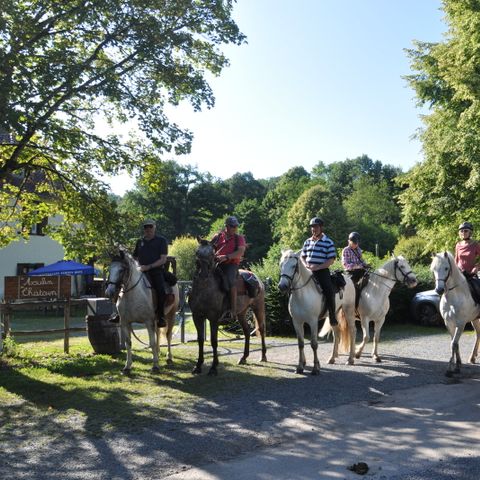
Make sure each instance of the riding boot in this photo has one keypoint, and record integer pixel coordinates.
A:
(331, 311)
(160, 317)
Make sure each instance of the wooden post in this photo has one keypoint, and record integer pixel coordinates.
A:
(66, 321)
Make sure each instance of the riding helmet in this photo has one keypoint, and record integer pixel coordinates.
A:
(354, 237)
(231, 222)
(316, 221)
(465, 226)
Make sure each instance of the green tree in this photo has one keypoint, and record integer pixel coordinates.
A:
(280, 198)
(316, 201)
(444, 190)
(65, 65)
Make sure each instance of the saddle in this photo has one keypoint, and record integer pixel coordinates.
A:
(247, 283)
(360, 279)
(338, 282)
(474, 284)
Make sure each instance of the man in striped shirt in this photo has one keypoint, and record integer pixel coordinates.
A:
(318, 254)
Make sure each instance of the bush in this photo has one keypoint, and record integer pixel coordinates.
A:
(278, 319)
(414, 249)
(183, 249)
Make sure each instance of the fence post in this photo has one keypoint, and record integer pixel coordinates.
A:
(66, 326)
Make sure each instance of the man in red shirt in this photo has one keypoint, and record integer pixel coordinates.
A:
(229, 249)
(467, 250)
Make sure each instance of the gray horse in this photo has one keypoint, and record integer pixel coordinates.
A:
(207, 300)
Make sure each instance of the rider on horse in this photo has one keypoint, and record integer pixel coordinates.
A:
(318, 254)
(354, 264)
(151, 253)
(467, 252)
(229, 249)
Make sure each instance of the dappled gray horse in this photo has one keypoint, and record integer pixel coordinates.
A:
(207, 300)
(457, 306)
(135, 305)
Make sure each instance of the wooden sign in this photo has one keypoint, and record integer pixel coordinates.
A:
(37, 287)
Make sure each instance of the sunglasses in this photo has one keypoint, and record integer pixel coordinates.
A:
(463, 230)
(148, 226)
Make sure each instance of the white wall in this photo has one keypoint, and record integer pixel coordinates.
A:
(38, 249)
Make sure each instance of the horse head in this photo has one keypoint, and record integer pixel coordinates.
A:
(403, 272)
(442, 268)
(204, 258)
(119, 267)
(288, 269)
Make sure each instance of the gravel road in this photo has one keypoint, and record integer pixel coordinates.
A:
(230, 426)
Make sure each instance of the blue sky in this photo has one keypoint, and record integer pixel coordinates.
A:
(319, 80)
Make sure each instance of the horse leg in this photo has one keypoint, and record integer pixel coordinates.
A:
(153, 335)
(455, 361)
(476, 326)
(128, 343)
(214, 342)
(365, 322)
(336, 340)
(301, 348)
(170, 317)
(314, 345)
(259, 313)
(246, 333)
(376, 339)
(200, 327)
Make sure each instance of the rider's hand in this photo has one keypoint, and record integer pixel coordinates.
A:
(221, 258)
(144, 268)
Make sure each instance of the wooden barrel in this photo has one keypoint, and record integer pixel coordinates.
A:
(104, 336)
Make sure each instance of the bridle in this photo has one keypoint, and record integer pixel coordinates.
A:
(396, 267)
(291, 278)
(124, 270)
(444, 280)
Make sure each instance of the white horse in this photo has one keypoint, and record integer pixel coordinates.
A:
(135, 305)
(374, 304)
(307, 304)
(457, 306)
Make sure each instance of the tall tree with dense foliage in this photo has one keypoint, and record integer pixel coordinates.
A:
(65, 65)
(445, 189)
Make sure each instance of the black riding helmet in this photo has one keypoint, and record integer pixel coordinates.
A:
(354, 237)
(316, 221)
(466, 226)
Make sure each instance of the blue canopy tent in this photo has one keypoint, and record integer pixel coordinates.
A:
(65, 267)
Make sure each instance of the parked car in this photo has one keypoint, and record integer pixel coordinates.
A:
(425, 308)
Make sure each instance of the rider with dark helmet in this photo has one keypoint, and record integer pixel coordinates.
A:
(318, 254)
(352, 260)
(354, 264)
(467, 250)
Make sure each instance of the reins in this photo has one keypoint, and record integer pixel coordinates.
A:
(395, 279)
(292, 278)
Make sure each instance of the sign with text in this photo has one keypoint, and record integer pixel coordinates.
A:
(38, 287)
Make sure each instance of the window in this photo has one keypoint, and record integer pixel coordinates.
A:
(24, 268)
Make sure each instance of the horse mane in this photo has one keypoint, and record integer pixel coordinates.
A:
(438, 257)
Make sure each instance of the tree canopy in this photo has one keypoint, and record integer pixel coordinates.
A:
(444, 189)
(66, 65)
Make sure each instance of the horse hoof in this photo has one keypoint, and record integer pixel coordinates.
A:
(242, 361)
(377, 359)
(212, 372)
(197, 371)
(350, 362)
(264, 359)
(169, 361)
(126, 371)
(155, 370)
(331, 361)
(299, 370)
(316, 371)
(358, 355)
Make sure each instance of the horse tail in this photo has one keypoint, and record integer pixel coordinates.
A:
(132, 331)
(258, 309)
(326, 328)
(345, 336)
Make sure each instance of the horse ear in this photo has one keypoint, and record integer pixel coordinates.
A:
(199, 239)
(445, 254)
